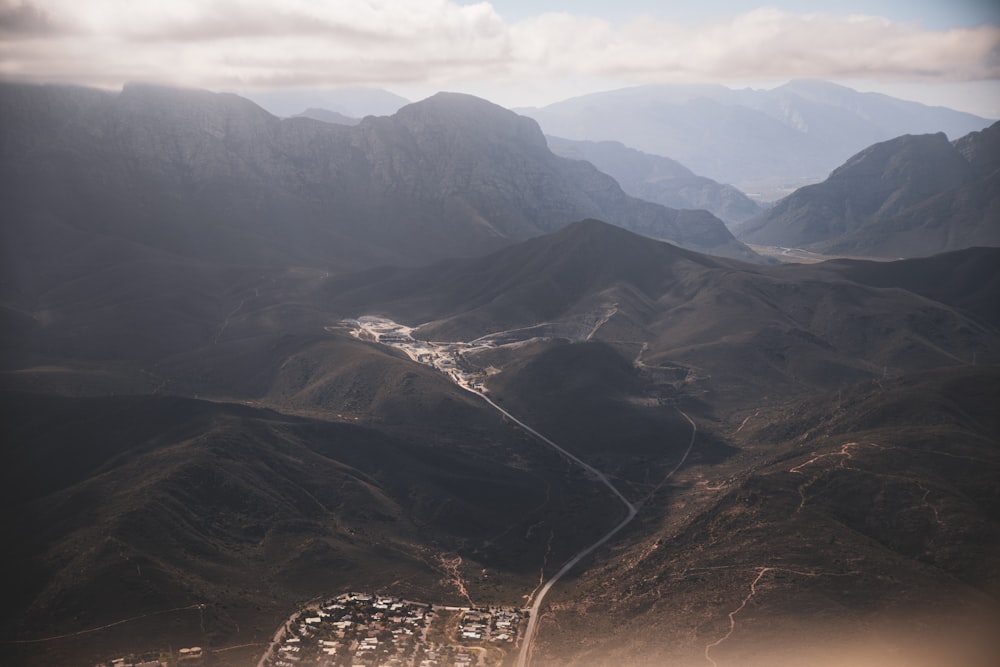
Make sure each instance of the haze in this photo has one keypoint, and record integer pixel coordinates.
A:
(513, 53)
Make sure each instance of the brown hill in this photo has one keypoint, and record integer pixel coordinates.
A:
(215, 436)
(126, 506)
(853, 528)
(763, 329)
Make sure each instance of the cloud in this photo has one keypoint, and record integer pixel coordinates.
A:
(770, 44)
(273, 43)
(24, 19)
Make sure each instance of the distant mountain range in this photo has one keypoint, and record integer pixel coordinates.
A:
(328, 116)
(909, 196)
(213, 177)
(659, 179)
(765, 142)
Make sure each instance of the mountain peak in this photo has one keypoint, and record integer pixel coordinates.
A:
(609, 248)
(185, 109)
(875, 204)
(909, 151)
(468, 115)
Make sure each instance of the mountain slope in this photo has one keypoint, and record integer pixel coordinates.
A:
(659, 179)
(127, 506)
(911, 196)
(848, 526)
(215, 436)
(842, 470)
(328, 116)
(480, 160)
(798, 326)
(762, 141)
(196, 175)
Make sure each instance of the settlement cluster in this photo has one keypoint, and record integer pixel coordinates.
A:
(360, 629)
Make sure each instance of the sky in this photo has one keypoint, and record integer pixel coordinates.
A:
(514, 52)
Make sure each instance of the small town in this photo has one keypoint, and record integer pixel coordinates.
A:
(366, 630)
(360, 629)
(446, 357)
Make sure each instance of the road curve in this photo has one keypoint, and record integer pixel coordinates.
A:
(631, 508)
(529, 634)
(524, 655)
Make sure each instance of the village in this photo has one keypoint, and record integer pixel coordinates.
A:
(446, 357)
(365, 630)
(359, 629)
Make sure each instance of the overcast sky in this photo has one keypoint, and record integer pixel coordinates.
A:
(514, 52)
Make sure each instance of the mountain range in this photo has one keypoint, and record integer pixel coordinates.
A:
(243, 430)
(199, 440)
(328, 116)
(909, 196)
(660, 179)
(764, 142)
(213, 177)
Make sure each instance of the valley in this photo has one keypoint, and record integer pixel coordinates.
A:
(250, 363)
(448, 358)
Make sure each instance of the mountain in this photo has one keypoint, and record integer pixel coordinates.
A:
(193, 176)
(842, 464)
(799, 326)
(765, 142)
(659, 179)
(210, 433)
(129, 506)
(910, 196)
(198, 440)
(848, 525)
(483, 161)
(328, 116)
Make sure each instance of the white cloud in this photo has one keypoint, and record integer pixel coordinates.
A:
(265, 43)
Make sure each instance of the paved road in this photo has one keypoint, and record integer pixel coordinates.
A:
(632, 509)
(529, 635)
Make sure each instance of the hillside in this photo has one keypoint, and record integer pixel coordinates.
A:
(799, 326)
(910, 196)
(842, 469)
(192, 176)
(328, 116)
(659, 179)
(134, 506)
(853, 528)
(185, 432)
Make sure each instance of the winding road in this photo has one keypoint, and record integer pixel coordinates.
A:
(524, 655)
(529, 634)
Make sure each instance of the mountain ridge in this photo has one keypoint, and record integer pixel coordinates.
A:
(762, 141)
(203, 432)
(659, 179)
(911, 195)
(210, 176)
